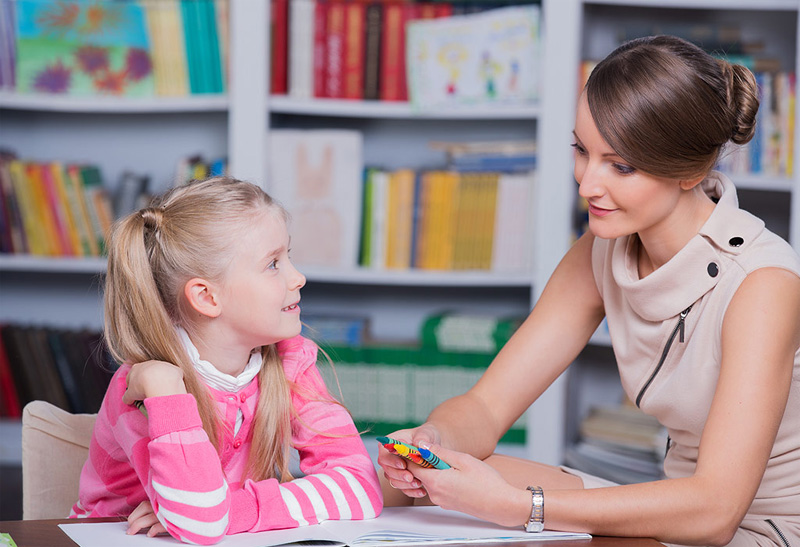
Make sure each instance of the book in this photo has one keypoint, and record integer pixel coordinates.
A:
(391, 55)
(372, 51)
(487, 57)
(279, 46)
(399, 219)
(9, 402)
(8, 45)
(334, 49)
(394, 526)
(301, 48)
(320, 47)
(317, 176)
(354, 46)
(83, 48)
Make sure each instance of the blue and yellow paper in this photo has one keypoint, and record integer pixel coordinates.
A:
(83, 48)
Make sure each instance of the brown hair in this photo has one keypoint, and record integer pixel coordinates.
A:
(186, 233)
(668, 108)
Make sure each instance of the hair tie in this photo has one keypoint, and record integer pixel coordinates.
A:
(153, 218)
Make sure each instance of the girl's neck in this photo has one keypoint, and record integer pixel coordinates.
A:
(223, 352)
(659, 244)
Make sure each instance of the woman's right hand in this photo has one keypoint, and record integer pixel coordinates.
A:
(153, 379)
(395, 468)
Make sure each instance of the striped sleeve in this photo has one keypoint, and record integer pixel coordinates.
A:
(184, 479)
(340, 481)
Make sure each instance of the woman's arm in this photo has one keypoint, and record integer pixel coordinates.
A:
(562, 321)
(760, 335)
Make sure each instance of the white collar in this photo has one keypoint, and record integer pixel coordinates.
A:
(214, 377)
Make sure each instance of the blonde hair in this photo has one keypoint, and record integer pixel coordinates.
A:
(185, 233)
(668, 108)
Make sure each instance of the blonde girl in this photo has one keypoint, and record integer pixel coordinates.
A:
(215, 384)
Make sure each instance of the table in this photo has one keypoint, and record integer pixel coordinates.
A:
(46, 533)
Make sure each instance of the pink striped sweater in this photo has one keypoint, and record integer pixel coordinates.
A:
(197, 493)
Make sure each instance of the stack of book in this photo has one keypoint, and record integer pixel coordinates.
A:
(52, 209)
(359, 50)
(136, 49)
(68, 368)
(447, 220)
(621, 444)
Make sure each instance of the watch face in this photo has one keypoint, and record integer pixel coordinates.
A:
(534, 527)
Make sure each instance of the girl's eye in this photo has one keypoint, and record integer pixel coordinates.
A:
(580, 150)
(273, 265)
(623, 169)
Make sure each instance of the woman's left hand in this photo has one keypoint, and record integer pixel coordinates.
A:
(473, 487)
(143, 517)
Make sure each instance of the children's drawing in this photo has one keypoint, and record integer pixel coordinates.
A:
(486, 57)
(83, 48)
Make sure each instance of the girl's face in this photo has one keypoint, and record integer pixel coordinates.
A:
(261, 291)
(622, 200)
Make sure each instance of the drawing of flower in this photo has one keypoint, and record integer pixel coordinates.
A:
(137, 64)
(92, 59)
(99, 19)
(59, 18)
(111, 82)
(53, 79)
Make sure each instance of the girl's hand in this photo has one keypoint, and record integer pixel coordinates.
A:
(473, 487)
(395, 468)
(153, 379)
(143, 517)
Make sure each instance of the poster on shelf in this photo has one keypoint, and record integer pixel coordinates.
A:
(491, 57)
(317, 176)
(83, 48)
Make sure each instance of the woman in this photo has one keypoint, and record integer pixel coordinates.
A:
(703, 307)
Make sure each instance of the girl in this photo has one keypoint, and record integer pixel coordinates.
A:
(200, 294)
(703, 307)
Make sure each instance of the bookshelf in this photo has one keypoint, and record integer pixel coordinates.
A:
(152, 133)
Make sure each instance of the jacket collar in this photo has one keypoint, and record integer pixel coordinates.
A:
(695, 269)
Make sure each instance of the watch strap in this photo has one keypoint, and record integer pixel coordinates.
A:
(536, 521)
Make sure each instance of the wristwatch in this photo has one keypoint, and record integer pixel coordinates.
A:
(536, 522)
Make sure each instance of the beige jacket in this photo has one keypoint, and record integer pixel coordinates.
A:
(665, 331)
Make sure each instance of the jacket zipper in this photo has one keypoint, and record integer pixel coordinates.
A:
(780, 534)
(679, 329)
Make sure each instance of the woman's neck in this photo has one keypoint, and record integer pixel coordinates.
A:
(659, 244)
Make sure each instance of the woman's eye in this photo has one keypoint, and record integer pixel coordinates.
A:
(623, 169)
(578, 148)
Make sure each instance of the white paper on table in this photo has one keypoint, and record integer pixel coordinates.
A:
(395, 526)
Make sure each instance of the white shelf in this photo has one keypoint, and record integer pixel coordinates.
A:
(760, 5)
(55, 264)
(284, 104)
(762, 182)
(364, 276)
(356, 276)
(112, 105)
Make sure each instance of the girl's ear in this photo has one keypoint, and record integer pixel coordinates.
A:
(202, 296)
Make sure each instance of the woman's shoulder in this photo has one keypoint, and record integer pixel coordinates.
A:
(298, 354)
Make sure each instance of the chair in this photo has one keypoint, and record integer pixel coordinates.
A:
(55, 445)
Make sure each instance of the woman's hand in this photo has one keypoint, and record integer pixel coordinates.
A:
(395, 468)
(143, 517)
(473, 487)
(153, 379)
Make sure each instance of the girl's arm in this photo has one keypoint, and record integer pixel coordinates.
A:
(563, 320)
(760, 335)
(340, 482)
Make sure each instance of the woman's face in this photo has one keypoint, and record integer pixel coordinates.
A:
(622, 200)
